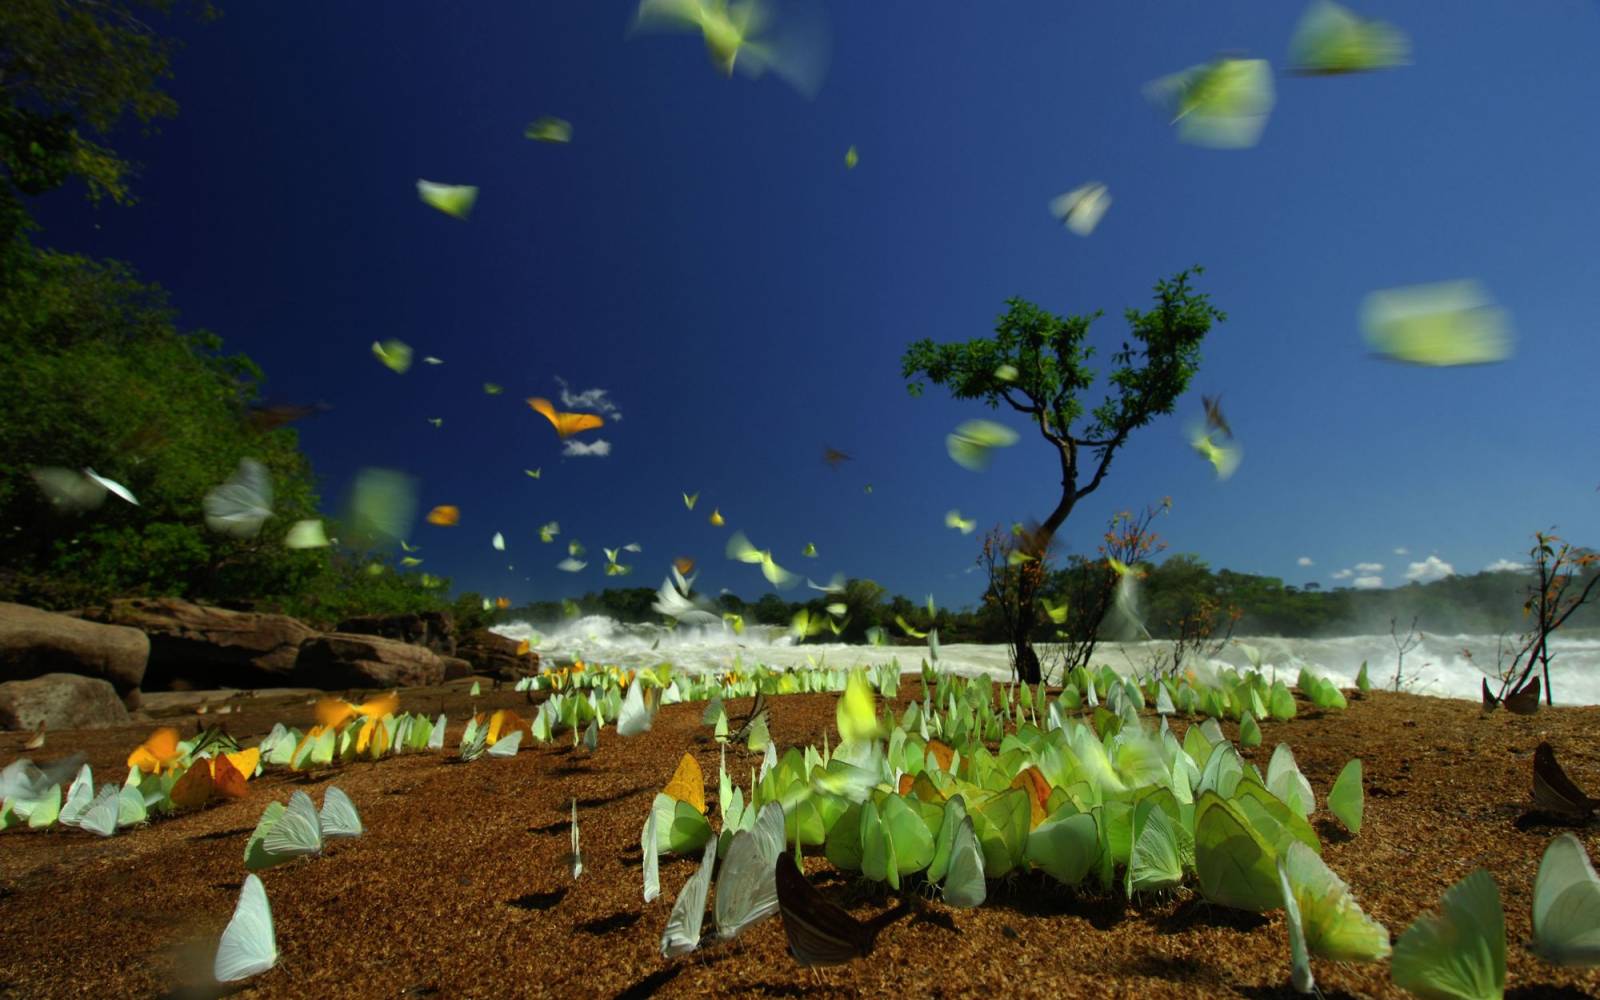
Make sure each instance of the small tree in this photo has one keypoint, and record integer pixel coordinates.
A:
(1047, 355)
(1550, 606)
(1089, 587)
(1402, 646)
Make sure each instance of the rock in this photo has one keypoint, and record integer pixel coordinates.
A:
(433, 629)
(60, 701)
(196, 646)
(35, 642)
(338, 660)
(455, 668)
(493, 655)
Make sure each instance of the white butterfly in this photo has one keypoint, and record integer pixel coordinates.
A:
(1081, 208)
(338, 817)
(1566, 905)
(747, 891)
(78, 797)
(101, 816)
(689, 912)
(652, 862)
(240, 506)
(576, 857)
(634, 718)
(436, 738)
(248, 946)
(507, 745)
(298, 831)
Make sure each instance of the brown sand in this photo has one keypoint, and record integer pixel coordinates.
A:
(457, 888)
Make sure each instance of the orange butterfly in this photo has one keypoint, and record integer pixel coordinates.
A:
(566, 424)
(194, 788)
(225, 778)
(158, 752)
(502, 603)
(688, 783)
(444, 516)
(684, 565)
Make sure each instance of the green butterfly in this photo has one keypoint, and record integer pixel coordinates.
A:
(851, 158)
(1439, 325)
(1459, 954)
(1332, 40)
(1223, 104)
(1566, 905)
(395, 354)
(451, 199)
(971, 443)
(1345, 799)
(1324, 918)
(548, 129)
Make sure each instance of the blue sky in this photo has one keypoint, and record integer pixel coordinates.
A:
(700, 252)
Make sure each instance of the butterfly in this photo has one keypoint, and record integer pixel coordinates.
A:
(1525, 701)
(1566, 905)
(682, 934)
(451, 199)
(270, 416)
(1444, 324)
(1223, 104)
(575, 858)
(444, 516)
(819, 932)
(566, 424)
(37, 741)
(953, 519)
(746, 891)
(395, 355)
(1214, 418)
(758, 712)
(248, 946)
(1080, 209)
(548, 129)
(1460, 952)
(306, 534)
(1331, 40)
(834, 457)
(74, 492)
(690, 498)
(971, 443)
(851, 158)
(240, 506)
(716, 519)
(1554, 792)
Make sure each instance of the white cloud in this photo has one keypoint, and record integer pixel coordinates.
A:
(577, 449)
(1401, 550)
(1342, 574)
(1503, 565)
(1430, 569)
(1303, 561)
(1369, 568)
(588, 399)
(1367, 582)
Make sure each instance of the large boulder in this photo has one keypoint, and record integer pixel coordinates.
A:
(493, 655)
(433, 629)
(344, 660)
(60, 701)
(35, 642)
(196, 647)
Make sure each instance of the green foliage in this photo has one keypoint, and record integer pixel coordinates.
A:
(1043, 356)
(97, 376)
(71, 71)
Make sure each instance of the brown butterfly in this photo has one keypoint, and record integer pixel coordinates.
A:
(37, 741)
(1554, 792)
(757, 709)
(834, 456)
(1526, 701)
(269, 416)
(1490, 702)
(1214, 418)
(566, 424)
(819, 932)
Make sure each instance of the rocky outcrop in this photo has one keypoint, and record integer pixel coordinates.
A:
(493, 655)
(434, 629)
(34, 643)
(60, 701)
(193, 646)
(345, 660)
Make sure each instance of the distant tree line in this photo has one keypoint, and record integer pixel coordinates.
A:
(1483, 603)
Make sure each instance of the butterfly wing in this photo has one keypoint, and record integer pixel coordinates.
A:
(298, 831)
(339, 817)
(1566, 905)
(101, 816)
(819, 932)
(248, 946)
(240, 506)
(1459, 952)
(688, 912)
(747, 892)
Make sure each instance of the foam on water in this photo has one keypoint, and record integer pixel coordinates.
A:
(1436, 666)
